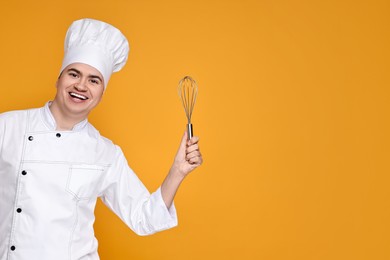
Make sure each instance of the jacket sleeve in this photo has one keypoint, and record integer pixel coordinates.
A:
(125, 194)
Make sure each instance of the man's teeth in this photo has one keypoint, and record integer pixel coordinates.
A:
(78, 96)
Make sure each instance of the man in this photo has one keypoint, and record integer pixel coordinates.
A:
(54, 164)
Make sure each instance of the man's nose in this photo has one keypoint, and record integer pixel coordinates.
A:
(81, 86)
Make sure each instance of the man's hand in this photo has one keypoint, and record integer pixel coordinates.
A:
(188, 156)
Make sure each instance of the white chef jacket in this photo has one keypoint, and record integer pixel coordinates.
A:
(50, 181)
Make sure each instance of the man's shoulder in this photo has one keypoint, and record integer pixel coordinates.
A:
(93, 132)
(104, 146)
(14, 114)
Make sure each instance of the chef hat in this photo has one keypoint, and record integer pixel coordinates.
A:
(97, 44)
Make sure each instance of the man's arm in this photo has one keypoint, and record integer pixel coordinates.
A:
(188, 158)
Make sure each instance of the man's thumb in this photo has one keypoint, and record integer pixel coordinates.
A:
(183, 144)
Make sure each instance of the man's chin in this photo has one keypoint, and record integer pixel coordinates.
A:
(78, 111)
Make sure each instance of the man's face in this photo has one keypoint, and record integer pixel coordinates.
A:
(79, 89)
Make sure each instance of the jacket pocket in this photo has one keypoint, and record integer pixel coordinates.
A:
(83, 180)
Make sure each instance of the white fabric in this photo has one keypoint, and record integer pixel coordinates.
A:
(65, 173)
(97, 44)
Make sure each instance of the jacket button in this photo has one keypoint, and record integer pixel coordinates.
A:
(30, 138)
(24, 172)
(19, 210)
(58, 135)
(13, 248)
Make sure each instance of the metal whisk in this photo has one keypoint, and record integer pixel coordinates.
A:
(188, 90)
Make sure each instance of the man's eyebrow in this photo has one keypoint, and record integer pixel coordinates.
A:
(95, 77)
(90, 75)
(75, 70)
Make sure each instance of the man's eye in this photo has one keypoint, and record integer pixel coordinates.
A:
(73, 75)
(95, 81)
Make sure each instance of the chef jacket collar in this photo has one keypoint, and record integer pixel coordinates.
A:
(50, 122)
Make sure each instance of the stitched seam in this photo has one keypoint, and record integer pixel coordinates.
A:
(73, 230)
(66, 162)
(70, 173)
(68, 183)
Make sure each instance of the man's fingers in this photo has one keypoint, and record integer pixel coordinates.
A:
(192, 148)
(189, 153)
(193, 140)
(193, 155)
(196, 161)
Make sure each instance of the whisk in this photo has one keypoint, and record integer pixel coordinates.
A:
(188, 90)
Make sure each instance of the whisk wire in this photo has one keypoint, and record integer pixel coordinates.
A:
(184, 98)
(194, 94)
(187, 101)
(188, 91)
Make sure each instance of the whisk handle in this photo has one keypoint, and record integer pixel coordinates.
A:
(190, 131)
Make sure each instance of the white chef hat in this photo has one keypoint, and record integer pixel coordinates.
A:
(97, 44)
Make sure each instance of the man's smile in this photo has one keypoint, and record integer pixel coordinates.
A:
(78, 96)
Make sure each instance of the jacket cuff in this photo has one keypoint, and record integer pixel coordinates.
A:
(167, 217)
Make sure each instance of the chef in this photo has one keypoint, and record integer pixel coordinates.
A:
(54, 164)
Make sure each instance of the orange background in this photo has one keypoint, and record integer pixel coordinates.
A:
(293, 115)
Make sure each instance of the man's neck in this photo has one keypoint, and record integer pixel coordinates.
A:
(64, 122)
